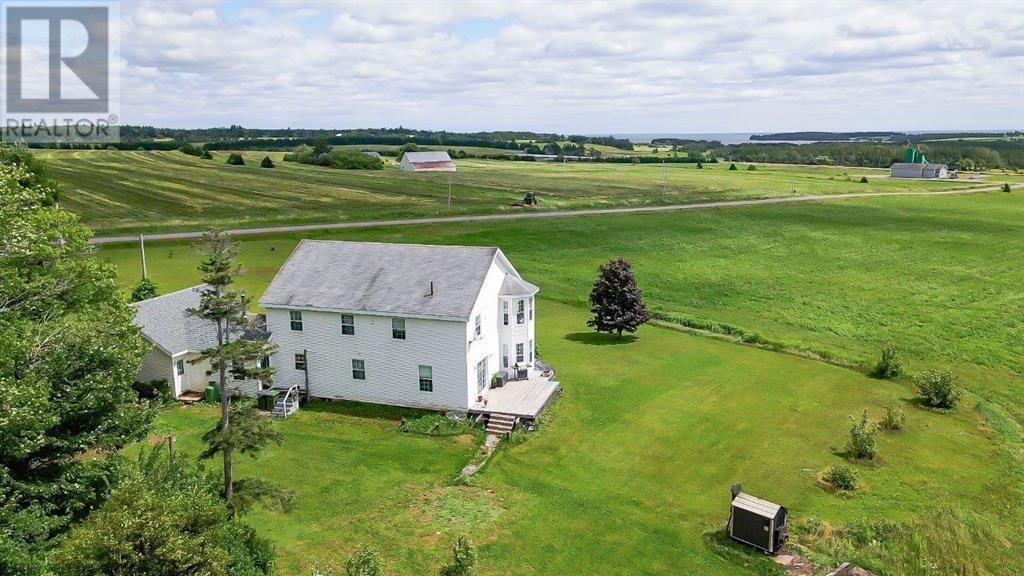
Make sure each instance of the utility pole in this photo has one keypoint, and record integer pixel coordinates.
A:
(449, 190)
(142, 252)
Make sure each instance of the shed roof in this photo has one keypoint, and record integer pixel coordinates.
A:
(382, 278)
(165, 321)
(756, 505)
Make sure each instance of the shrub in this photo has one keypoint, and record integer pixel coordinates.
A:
(636, 160)
(266, 162)
(733, 167)
(144, 290)
(863, 443)
(894, 419)
(841, 477)
(700, 165)
(235, 159)
(435, 424)
(888, 364)
(938, 389)
(863, 179)
(192, 150)
(363, 562)
(157, 390)
(1006, 187)
(752, 167)
(463, 559)
(206, 155)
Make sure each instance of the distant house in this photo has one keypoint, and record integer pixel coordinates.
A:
(437, 327)
(915, 165)
(178, 339)
(434, 161)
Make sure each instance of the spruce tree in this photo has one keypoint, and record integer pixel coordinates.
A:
(240, 427)
(266, 162)
(616, 301)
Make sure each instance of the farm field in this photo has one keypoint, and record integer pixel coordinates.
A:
(620, 475)
(630, 472)
(118, 192)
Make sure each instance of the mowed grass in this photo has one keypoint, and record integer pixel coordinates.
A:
(631, 470)
(130, 191)
(940, 278)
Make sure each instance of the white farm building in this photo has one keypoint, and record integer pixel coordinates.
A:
(435, 161)
(915, 165)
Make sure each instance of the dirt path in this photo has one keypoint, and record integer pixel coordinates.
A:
(551, 214)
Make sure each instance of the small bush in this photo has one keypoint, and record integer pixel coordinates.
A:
(435, 424)
(841, 477)
(700, 165)
(363, 562)
(893, 420)
(235, 159)
(863, 179)
(863, 443)
(206, 155)
(144, 290)
(938, 389)
(733, 167)
(1006, 187)
(192, 150)
(889, 365)
(752, 167)
(463, 560)
(636, 160)
(266, 162)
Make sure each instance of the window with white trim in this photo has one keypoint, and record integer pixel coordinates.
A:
(531, 351)
(476, 326)
(519, 353)
(180, 367)
(398, 328)
(520, 311)
(426, 378)
(504, 312)
(296, 320)
(358, 369)
(300, 361)
(348, 324)
(504, 355)
(531, 307)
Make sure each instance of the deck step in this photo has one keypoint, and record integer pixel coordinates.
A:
(500, 423)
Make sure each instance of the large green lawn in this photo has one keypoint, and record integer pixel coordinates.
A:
(633, 467)
(117, 191)
(630, 472)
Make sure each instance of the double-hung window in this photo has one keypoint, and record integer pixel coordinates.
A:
(398, 328)
(504, 355)
(296, 320)
(476, 327)
(504, 312)
(481, 376)
(519, 353)
(348, 324)
(300, 361)
(358, 369)
(520, 311)
(531, 351)
(531, 307)
(426, 379)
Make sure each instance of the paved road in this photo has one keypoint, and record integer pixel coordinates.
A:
(523, 215)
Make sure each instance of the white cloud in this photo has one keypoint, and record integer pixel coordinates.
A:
(575, 67)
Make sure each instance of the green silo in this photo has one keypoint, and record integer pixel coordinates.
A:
(909, 155)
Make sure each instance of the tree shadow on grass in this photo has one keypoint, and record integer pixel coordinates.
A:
(600, 338)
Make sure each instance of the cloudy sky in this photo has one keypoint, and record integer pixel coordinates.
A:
(575, 67)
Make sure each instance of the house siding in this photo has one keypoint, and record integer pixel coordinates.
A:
(392, 366)
(156, 365)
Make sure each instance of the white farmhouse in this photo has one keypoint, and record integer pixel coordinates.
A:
(408, 325)
(436, 161)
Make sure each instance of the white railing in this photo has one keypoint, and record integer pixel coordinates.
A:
(290, 402)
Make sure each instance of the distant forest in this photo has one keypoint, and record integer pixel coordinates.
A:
(966, 151)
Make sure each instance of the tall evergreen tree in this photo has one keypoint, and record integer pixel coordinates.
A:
(616, 301)
(240, 427)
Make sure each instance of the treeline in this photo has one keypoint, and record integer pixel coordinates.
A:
(965, 155)
(894, 137)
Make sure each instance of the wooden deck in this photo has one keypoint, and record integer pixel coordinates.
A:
(522, 398)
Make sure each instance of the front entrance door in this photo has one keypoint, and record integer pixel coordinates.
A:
(482, 382)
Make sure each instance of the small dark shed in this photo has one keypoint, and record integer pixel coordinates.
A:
(757, 522)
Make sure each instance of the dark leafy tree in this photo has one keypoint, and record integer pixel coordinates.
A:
(144, 290)
(321, 146)
(615, 300)
(69, 354)
(733, 167)
(1006, 187)
(164, 518)
(240, 427)
(700, 165)
(206, 155)
(235, 159)
(266, 162)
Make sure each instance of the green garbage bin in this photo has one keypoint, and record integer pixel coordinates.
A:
(268, 398)
(212, 393)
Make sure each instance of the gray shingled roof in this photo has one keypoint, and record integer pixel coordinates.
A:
(513, 286)
(381, 278)
(428, 156)
(164, 320)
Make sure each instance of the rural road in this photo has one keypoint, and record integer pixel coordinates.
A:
(524, 215)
